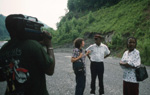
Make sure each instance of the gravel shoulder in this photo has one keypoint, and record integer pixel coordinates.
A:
(63, 80)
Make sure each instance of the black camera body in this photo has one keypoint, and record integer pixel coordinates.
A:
(29, 28)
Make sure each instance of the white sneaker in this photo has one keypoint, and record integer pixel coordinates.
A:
(92, 94)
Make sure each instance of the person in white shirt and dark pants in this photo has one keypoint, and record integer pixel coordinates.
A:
(99, 51)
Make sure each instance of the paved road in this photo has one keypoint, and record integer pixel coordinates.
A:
(63, 80)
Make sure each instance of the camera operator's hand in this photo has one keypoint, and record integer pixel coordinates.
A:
(46, 40)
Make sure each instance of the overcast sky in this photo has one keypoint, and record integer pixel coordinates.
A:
(47, 11)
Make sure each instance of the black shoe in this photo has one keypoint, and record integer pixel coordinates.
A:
(92, 92)
(101, 92)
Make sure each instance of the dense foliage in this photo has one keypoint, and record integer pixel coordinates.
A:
(82, 5)
(78, 8)
(124, 19)
(118, 19)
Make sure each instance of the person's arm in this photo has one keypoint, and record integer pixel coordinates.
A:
(89, 49)
(125, 64)
(73, 59)
(50, 52)
(107, 55)
(87, 54)
(133, 63)
(136, 60)
(107, 52)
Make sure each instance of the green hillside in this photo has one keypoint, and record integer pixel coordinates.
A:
(124, 19)
(115, 20)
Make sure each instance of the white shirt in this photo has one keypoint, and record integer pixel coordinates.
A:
(133, 59)
(98, 52)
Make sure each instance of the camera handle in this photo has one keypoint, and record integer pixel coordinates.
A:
(32, 18)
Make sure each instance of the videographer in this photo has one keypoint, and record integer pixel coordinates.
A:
(24, 62)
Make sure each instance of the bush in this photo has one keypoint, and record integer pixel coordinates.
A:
(90, 17)
(117, 41)
(144, 48)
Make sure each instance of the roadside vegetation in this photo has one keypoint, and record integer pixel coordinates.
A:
(122, 19)
(114, 19)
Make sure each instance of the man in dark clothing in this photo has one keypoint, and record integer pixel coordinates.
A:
(24, 62)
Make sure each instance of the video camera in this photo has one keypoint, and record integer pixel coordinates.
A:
(29, 28)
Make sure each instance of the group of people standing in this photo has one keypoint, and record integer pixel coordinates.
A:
(96, 53)
(24, 63)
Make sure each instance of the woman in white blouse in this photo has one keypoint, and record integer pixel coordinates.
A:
(130, 60)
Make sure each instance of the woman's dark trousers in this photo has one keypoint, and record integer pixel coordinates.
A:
(80, 82)
(97, 69)
(130, 88)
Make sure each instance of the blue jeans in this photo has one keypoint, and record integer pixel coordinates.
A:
(80, 82)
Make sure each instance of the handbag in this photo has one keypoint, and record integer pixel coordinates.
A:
(78, 67)
(141, 73)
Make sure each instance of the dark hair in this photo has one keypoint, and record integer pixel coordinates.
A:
(11, 24)
(131, 38)
(78, 42)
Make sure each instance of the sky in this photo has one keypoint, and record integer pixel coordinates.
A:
(47, 11)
